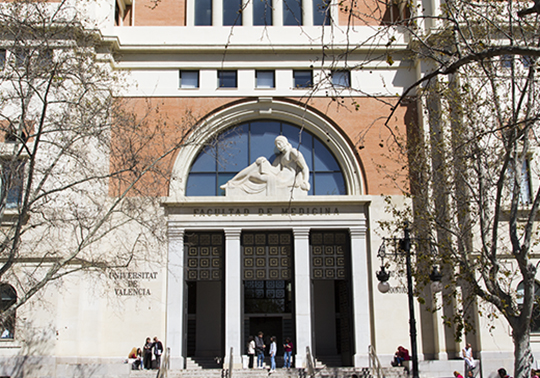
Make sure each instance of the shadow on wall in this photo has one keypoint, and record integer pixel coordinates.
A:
(29, 356)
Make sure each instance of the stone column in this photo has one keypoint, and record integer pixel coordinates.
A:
(302, 291)
(233, 299)
(175, 339)
(360, 295)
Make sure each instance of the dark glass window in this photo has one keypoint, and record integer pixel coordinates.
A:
(232, 14)
(189, 79)
(203, 12)
(267, 297)
(535, 319)
(303, 78)
(227, 79)
(12, 182)
(262, 12)
(321, 12)
(292, 12)
(240, 146)
(2, 59)
(8, 296)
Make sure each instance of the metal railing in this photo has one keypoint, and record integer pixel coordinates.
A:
(231, 364)
(310, 366)
(165, 364)
(375, 363)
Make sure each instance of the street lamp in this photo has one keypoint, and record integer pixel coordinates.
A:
(404, 247)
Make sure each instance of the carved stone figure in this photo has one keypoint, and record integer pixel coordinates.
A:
(288, 174)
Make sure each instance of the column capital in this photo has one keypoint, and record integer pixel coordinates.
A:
(358, 232)
(233, 233)
(174, 231)
(301, 232)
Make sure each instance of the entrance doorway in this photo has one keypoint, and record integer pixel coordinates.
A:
(269, 325)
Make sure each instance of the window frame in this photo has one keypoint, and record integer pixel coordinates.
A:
(221, 80)
(302, 86)
(7, 288)
(341, 73)
(272, 72)
(181, 86)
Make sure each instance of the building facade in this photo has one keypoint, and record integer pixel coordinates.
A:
(257, 244)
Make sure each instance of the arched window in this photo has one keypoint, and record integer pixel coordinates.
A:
(8, 297)
(535, 319)
(240, 146)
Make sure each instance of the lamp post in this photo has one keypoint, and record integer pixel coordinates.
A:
(383, 276)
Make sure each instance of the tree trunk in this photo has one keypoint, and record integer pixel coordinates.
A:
(523, 358)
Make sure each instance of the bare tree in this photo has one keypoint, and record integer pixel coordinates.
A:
(473, 154)
(79, 187)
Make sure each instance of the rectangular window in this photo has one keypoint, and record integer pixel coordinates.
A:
(227, 79)
(189, 79)
(12, 182)
(232, 12)
(203, 12)
(262, 12)
(341, 78)
(506, 61)
(2, 59)
(292, 12)
(321, 12)
(303, 78)
(525, 185)
(265, 79)
(21, 57)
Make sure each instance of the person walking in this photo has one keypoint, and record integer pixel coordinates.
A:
(251, 351)
(259, 349)
(273, 351)
(287, 356)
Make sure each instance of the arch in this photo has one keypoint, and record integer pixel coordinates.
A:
(268, 108)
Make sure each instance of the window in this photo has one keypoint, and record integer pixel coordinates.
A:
(21, 57)
(12, 182)
(292, 12)
(238, 147)
(265, 79)
(525, 185)
(535, 318)
(203, 12)
(227, 79)
(341, 78)
(303, 78)
(189, 79)
(2, 59)
(321, 12)
(506, 61)
(8, 296)
(262, 12)
(527, 61)
(232, 12)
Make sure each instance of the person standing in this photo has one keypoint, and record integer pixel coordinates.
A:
(259, 348)
(273, 351)
(147, 354)
(251, 351)
(158, 351)
(288, 353)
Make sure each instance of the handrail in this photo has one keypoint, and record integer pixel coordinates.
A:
(231, 363)
(165, 361)
(309, 363)
(374, 362)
